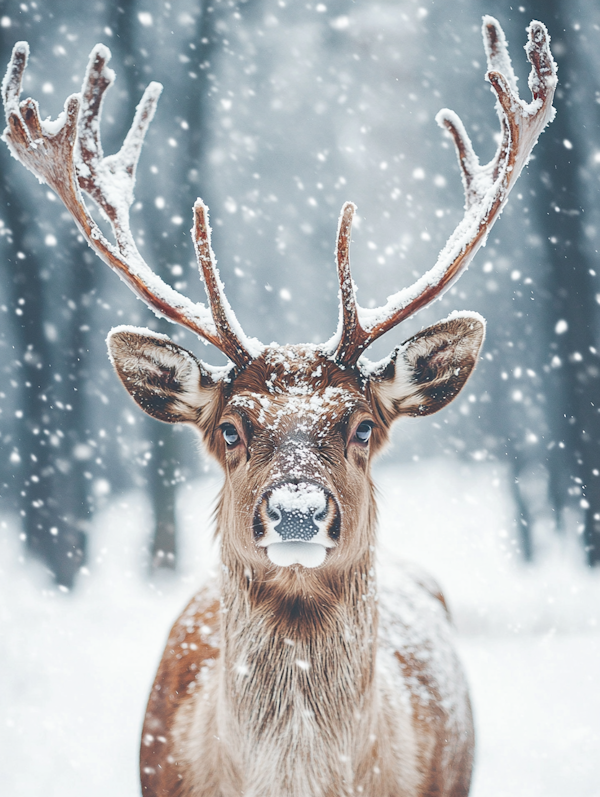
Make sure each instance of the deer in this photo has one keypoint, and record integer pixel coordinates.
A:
(293, 674)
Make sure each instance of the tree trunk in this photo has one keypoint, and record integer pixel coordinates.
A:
(51, 492)
(574, 365)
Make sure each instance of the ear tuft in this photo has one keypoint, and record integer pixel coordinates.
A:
(431, 368)
(164, 379)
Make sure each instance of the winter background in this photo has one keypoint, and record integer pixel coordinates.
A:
(276, 112)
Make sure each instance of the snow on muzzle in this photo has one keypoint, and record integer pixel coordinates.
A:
(297, 523)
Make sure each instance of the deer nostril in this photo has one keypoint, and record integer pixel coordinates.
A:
(273, 514)
(335, 527)
(321, 514)
(258, 527)
(264, 517)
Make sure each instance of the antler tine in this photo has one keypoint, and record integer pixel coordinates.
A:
(26, 134)
(352, 335)
(98, 79)
(542, 78)
(498, 60)
(13, 80)
(467, 158)
(67, 154)
(134, 140)
(486, 187)
(222, 314)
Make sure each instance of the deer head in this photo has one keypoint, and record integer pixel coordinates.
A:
(294, 427)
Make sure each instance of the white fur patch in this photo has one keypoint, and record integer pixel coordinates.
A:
(186, 371)
(402, 389)
(284, 553)
(307, 554)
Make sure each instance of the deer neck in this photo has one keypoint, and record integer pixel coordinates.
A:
(298, 675)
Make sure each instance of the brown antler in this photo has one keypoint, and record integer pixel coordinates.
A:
(486, 192)
(67, 154)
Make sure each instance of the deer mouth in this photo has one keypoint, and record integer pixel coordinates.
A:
(297, 523)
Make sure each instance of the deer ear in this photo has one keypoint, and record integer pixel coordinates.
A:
(166, 380)
(430, 369)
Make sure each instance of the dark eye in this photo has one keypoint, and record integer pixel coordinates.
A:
(363, 431)
(230, 434)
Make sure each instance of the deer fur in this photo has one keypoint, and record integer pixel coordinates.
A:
(290, 680)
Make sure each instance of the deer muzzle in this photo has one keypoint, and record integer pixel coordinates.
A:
(297, 523)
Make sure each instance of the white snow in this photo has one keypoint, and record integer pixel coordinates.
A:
(303, 497)
(76, 669)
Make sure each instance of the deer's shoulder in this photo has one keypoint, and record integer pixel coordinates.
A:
(193, 644)
(421, 671)
(190, 655)
(417, 632)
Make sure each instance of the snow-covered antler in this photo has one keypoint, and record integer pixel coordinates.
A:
(486, 191)
(67, 155)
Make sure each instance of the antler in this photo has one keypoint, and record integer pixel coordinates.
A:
(486, 191)
(67, 154)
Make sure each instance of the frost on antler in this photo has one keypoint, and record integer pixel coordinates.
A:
(67, 155)
(486, 191)
(110, 181)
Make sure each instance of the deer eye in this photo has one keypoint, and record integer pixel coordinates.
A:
(363, 431)
(230, 434)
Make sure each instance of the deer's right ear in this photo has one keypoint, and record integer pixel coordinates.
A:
(166, 380)
(429, 370)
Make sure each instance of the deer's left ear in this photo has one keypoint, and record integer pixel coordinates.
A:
(430, 369)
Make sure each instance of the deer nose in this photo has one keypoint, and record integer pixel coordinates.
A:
(297, 510)
(293, 511)
(296, 523)
(293, 524)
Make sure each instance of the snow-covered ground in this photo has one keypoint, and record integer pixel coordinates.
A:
(75, 670)
(529, 637)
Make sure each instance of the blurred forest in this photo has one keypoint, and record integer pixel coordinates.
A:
(275, 113)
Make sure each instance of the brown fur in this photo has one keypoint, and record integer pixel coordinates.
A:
(305, 682)
(444, 753)
(188, 649)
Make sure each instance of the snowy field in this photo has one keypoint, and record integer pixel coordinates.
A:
(76, 669)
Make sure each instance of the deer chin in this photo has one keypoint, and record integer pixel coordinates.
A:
(296, 552)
